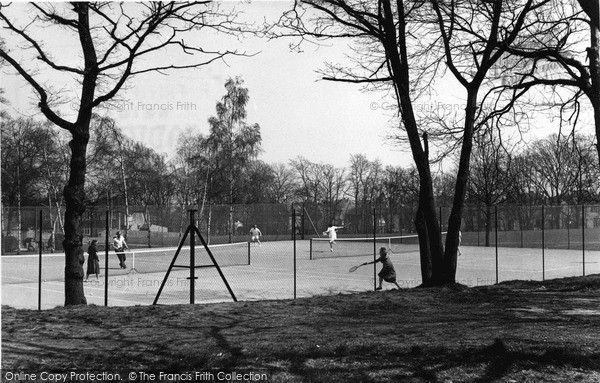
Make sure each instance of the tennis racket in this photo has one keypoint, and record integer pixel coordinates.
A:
(354, 268)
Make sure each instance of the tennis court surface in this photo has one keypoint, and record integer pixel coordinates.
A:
(270, 274)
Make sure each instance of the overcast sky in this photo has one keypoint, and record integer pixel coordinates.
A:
(299, 114)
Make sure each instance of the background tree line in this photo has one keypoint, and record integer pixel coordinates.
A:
(552, 170)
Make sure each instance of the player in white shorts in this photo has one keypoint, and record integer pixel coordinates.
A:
(255, 234)
(332, 233)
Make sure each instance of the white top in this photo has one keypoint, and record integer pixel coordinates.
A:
(332, 233)
(119, 243)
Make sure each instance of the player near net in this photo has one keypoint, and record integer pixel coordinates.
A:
(255, 234)
(387, 273)
(331, 232)
(119, 246)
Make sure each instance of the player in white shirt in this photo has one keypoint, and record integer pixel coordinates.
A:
(331, 232)
(119, 246)
(255, 234)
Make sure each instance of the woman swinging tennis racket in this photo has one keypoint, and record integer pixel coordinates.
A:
(387, 273)
(332, 233)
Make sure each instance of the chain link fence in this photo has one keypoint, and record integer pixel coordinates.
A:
(555, 227)
(498, 243)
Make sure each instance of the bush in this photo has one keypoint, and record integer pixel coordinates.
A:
(9, 244)
(30, 244)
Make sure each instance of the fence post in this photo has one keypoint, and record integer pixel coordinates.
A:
(106, 258)
(569, 229)
(583, 236)
(230, 223)
(294, 240)
(302, 218)
(192, 258)
(40, 264)
(374, 250)
(496, 240)
(543, 244)
(479, 227)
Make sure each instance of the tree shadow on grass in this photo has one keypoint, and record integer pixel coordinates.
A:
(290, 342)
(432, 364)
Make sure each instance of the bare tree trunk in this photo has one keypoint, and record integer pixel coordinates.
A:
(427, 221)
(52, 191)
(53, 223)
(124, 180)
(460, 191)
(208, 224)
(428, 227)
(181, 222)
(59, 218)
(424, 249)
(394, 40)
(590, 7)
(75, 201)
(594, 56)
(61, 223)
(74, 191)
(55, 220)
(230, 223)
(19, 216)
(488, 224)
(8, 221)
(5, 225)
(205, 189)
(149, 224)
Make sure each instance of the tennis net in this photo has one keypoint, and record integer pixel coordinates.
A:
(357, 247)
(24, 269)
(158, 260)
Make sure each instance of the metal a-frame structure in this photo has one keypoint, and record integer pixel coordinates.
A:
(192, 231)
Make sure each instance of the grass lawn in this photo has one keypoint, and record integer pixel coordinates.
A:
(512, 332)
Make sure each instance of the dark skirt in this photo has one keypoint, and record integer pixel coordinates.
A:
(388, 274)
(93, 266)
